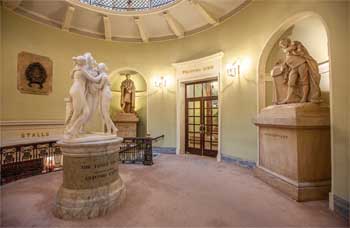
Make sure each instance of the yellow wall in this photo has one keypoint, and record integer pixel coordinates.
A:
(244, 36)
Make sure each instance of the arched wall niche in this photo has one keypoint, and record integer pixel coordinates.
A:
(116, 77)
(267, 60)
(271, 54)
(313, 35)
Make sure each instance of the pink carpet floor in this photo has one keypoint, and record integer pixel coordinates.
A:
(181, 191)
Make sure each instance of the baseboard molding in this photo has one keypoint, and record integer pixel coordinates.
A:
(342, 207)
(243, 163)
(164, 150)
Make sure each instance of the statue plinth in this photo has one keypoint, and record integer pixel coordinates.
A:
(126, 124)
(91, 183)
(294, 150)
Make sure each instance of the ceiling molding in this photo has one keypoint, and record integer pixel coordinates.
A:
(209, 18)
(107, 28)
(141, 28)
(174, 25)
(101, 10)
(68, 18)
(176, 29)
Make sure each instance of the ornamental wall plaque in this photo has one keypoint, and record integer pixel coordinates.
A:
(34, 74)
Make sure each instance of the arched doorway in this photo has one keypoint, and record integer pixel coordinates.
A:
(116, 78)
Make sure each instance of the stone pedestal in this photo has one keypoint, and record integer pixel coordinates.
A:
(91, 183)
(126, 124)
(295, 151)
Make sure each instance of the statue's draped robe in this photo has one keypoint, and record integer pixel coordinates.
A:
(313, 71)
(127, 94)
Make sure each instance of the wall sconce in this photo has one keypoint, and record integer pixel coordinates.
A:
(160, 82)
(234, 69)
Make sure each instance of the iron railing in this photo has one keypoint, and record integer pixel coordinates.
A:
(128, 5)
(138, 149)
(25, 160)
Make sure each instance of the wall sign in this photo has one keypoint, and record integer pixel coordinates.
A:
(34, 74)
(207, 66)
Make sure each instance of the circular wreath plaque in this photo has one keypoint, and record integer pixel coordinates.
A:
(36, 74)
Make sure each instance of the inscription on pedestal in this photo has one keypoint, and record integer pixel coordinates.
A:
(276, 135)
(89, 172)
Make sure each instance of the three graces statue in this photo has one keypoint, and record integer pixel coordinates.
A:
(297, 79)
(90, 91)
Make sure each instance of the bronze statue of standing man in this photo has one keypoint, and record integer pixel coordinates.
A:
(127, 99)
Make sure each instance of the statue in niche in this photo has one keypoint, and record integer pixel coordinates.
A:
(297, 78)
(127, 99)
(90, 88)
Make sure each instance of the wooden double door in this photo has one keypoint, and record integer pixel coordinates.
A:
(202, 118)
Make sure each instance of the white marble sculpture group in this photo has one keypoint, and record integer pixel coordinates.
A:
(90, 91)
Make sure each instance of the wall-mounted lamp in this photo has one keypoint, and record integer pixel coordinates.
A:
(160, 82)
(234, 69)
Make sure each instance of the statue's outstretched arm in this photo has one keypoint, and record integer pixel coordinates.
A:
(91, 78)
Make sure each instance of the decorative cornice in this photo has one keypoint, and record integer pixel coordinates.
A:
(30, 122)
(85, 32)
(213, 57)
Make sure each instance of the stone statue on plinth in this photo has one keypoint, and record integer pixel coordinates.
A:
(91, 182)
(127, 119)
(294, 134)
(127, 98)
(298, 75)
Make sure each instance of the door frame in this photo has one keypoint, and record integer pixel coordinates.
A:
(202, 69)
(202, 100)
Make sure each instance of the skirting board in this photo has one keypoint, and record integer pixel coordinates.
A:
(342, 207)
(238, 161)
(298, 193)
(164, 150)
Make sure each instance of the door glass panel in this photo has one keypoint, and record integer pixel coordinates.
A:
(208, 120)
(214, 146)
(215, 130)
(215, 103)
(190, 128)
(190, 136)
(207, 104)
(207, 145)
(214, 137)
(197, 90)
(208, 112)
(197, 104)
(207, 89)
(197, 120)
(190, 112)
(214, 88)
(190, 120)
(190, 104)
(207, 137)
(191, 144)
(197, 136)
(189, 91)
(197, 112)
(215, 112)
(197, 145)
(197, 128)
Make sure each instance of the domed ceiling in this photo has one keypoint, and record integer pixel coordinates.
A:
(129, 20)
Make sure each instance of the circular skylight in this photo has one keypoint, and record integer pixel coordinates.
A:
(128, 5)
